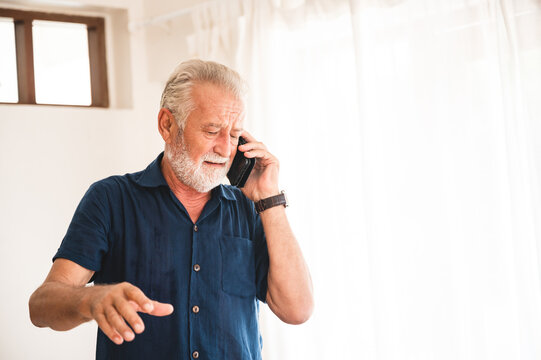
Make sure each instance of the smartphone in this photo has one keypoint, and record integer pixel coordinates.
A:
(241, 167)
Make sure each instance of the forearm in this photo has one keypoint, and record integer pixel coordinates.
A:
(58, 305)
(62, 305)
(289, 293)
(289, 283)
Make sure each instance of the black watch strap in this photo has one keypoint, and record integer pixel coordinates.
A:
(272, 201)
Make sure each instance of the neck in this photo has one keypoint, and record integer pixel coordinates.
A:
(192, 200)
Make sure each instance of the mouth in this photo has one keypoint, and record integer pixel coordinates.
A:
(214, 164)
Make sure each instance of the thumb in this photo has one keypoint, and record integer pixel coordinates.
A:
(161, 309)
(158, 308)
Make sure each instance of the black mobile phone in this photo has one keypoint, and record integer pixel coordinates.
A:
(241, 167)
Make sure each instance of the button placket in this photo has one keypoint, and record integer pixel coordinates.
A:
(196, 267)
(194, 324)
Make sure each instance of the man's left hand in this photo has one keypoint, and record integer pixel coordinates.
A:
(263, 180)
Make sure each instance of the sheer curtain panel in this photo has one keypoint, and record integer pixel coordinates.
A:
(409, 139)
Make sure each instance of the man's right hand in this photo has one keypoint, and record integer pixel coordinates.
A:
(63, 302)
(114, 305)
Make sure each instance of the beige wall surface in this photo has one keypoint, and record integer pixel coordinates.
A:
(49, 156)
(166, 39)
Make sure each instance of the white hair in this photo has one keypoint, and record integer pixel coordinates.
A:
(177, 94)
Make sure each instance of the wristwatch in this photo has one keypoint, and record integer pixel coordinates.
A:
(272, 201)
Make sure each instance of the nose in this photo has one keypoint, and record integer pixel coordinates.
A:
(222, 146)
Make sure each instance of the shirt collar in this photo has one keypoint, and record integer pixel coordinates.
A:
(224, 191)
(152, 176)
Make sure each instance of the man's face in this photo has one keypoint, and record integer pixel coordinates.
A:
(202, 154)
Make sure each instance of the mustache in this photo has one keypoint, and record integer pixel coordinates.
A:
(215, 158)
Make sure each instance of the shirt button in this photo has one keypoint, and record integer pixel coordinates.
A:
(195, 309)
(195, 354)
(195, 228)
(196, 267)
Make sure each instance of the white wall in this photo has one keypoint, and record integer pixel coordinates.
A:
(49, 155)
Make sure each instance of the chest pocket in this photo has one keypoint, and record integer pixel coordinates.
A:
(238, 266)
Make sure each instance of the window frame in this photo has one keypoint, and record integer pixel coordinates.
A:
(24, 49)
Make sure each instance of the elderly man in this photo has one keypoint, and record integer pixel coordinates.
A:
(178, 260)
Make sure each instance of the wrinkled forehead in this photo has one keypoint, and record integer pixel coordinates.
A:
(217, 102)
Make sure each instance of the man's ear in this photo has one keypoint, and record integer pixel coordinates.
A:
(166, 124)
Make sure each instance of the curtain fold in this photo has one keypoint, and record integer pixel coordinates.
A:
(409, 139)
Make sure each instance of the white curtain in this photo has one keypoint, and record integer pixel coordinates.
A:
(410, 146)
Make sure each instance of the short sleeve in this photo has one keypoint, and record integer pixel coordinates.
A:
(261, 259)
(86, 241)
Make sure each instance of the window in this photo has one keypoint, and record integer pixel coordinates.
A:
(48, 58)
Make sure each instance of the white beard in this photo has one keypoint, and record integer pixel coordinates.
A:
(199, 177)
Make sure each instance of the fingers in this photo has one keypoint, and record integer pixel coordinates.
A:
(117, 322)
(257, 153)
(108, 330)
(118, 305)
(136, 295)
(161, 309)
(264, 158)
(112, 324)
(255, 149)
(127, 311)
(252, 143)
(264, 180)
(252, 146)
(144, 304)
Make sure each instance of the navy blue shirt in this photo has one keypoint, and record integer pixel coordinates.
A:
(133, 228)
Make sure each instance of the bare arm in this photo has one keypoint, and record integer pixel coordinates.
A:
(63, 302)
(289, 293)
(57, 302)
